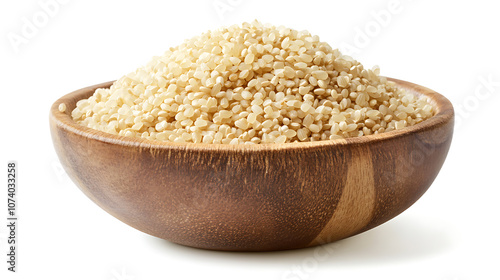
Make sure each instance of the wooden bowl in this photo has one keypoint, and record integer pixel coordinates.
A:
(259, 197)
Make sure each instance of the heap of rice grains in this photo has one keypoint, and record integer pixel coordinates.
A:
(251, 84)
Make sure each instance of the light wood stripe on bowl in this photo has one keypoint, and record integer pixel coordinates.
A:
(355, 208)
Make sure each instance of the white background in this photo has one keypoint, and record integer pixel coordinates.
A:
(451, 233)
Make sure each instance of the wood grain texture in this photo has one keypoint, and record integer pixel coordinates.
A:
(259, 197)
(355, 207)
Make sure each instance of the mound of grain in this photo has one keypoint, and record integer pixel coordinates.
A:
(251, 84)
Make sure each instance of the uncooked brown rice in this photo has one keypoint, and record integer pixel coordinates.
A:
(251, 84)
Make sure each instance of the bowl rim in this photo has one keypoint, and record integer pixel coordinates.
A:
(444, 113)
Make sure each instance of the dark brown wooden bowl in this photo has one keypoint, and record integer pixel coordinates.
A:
(259, 197)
